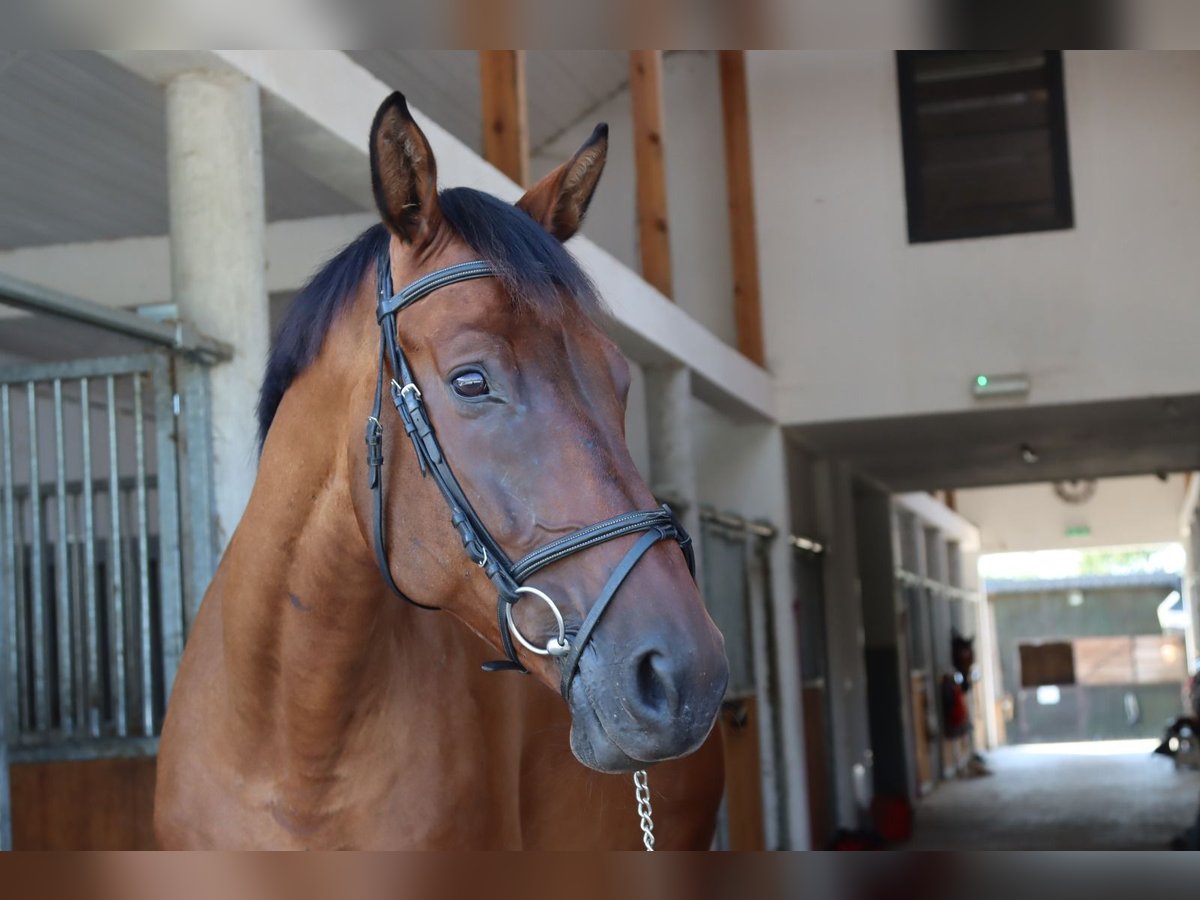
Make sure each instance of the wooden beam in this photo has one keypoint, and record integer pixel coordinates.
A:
(505, 112)
(739, 184)
(654, 240)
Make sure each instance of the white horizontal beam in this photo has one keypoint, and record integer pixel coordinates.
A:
(137, 271)
(324, 102)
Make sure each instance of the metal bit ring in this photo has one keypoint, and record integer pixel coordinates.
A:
(555, 646)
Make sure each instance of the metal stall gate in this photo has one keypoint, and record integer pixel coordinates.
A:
(91, 562)
(106, 542)
(808, 572)
(737, 581)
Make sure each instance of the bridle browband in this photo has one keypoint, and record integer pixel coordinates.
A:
(508, 577)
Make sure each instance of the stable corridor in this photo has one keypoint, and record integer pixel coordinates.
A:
(1096, 796)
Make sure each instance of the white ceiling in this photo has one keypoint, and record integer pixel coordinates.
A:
(985, 447)
(82, 140)
(83, 154)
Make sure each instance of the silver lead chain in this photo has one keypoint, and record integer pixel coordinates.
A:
(641, 790)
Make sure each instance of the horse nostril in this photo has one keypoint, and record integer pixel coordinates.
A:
(656, 691)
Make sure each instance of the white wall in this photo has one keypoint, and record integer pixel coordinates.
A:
(696, 196)
(860, 323)
(1123, 511)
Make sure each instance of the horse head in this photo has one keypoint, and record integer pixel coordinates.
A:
(526, 396)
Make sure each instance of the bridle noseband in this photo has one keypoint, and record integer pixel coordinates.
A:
(508, 577)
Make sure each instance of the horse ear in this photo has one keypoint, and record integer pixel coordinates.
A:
(560, 200)
(403, 173)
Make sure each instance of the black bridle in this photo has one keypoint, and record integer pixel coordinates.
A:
(508, 577)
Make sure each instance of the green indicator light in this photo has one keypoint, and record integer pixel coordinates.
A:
(981, 380)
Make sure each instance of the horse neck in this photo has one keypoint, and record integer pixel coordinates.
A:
(325, 666)
(308, 625)
(303, 607)
(321, 658)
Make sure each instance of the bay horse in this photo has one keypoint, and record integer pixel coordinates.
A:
(314, 708)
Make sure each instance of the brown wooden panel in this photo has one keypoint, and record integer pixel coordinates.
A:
(1103, 660)
(743, 774)
(820, 802)
(1159, 658)
(505, 116)
(104, 804)
(654, 242)
(920, 714)
(1049, 663)
(739, 181)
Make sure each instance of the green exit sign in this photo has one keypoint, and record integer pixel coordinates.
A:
(1078, 531)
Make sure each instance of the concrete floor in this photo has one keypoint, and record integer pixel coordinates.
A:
(1099, 796)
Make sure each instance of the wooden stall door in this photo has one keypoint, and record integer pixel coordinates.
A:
(920, 714)
(102, 804)
(743, 774)
(816, 758)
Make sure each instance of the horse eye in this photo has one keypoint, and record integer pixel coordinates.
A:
(470, 384)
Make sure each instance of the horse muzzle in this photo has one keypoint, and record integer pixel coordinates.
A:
(649, 705)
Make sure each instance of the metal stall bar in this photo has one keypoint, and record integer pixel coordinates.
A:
(143, 557)
(34, 298)
(903, 576)
(41, 681)
(170, 571)
(62, 571)
(78, 647)
(116, 581)
(194, 445)
(129, 624)
(91, 639)
(744, 542)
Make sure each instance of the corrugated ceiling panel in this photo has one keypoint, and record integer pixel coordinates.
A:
(83, 155)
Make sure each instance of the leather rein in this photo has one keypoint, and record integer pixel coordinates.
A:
(481, 547)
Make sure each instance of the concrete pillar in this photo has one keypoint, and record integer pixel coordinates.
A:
(218, 259)
(672, 456)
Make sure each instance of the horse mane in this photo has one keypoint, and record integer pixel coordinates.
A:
(533, 266)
